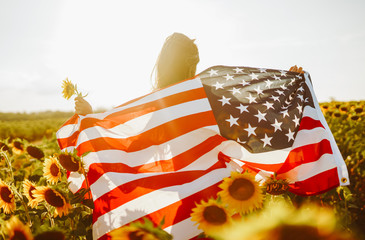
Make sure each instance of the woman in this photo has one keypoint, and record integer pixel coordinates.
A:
(177, 61)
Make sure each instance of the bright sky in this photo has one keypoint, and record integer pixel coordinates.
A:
(109, 47)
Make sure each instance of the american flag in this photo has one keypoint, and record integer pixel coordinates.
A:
(157, 155)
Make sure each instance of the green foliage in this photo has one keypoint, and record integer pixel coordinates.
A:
(345, 119)
(16, 168)
(32, 126)
(347, 123)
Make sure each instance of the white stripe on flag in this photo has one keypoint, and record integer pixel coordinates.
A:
(145, 122)
(76, 179)
(153, 153)
(68, 130)
(341, 166)
(110, 180)
(161, 198)
(308, 170)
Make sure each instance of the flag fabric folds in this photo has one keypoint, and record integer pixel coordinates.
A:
(156, 156)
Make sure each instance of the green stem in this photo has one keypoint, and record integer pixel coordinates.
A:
(24, 205)
(8, 162)
(14, 189)
(51, 220)
(87, 182)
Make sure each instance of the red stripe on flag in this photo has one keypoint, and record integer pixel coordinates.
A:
(308, 123)
(318, 184)
(134, 189)
(305, 154)
(70, 141)
(182, 209)
(96, 170)
(154, 136)
(125, 115)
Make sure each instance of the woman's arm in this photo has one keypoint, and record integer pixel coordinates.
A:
(82, 107)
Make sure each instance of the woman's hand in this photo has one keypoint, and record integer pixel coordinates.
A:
(296, 69)
(82, 107)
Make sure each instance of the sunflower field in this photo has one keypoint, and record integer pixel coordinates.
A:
(35, 202)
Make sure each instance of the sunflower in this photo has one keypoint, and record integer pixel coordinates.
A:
(18, 147)
(358, 110)
(35, 152)
(68, 88)
(17, 230)
(28, 188)
(241, 192)
(7, 201)
(354, 117)
(211, 216)
(283, 221)
(53, 198)
(3, 147)
(69, 162)
(51, 170)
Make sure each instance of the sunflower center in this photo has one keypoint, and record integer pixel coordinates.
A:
(241, 189)
(30, 192)
(18, 145)
(68, 163)
(54, 169)
(5, 194)
(53, 199)
(215, 215)
(135, 236)
(35, 152)
(18, 235)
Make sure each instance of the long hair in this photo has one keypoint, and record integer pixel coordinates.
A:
(177, 61)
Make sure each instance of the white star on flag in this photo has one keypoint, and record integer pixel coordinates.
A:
(218, 85)
(275, 98)
(234, 90)
(268, 83)
(251, 98)
(285, 113)
(225, 100)
(266, 140)
(228, 77)
(296, 120)
(290, 135)
(250, 130)
(301, 89)
(277, 125)
(283, 73)
(238, 70)
(291, 81)
(260, 116)
(258, 90)
(254, 76)
(232, 121)
(244, 83)
(268, 105)
(276, 78)
(242, 108)
(279, 92)
(213, 72)
(300, 108)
